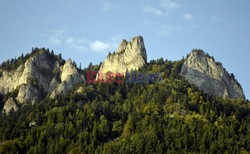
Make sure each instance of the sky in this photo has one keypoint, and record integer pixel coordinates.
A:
(86, 31)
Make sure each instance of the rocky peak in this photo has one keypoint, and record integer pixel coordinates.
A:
(203, 71)
(129, 56)
(37, 75)
(137, 45)
(122, 46)
(68, 69)
(70, 77)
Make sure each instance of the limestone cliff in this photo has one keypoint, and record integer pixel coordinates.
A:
(40, 74)
(10, 105)
(69, 78)
(203, 71)
(129, 56)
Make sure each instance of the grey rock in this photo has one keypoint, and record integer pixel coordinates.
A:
(129, 56)
(38, 76)
(32, 124)
(70, 77)
(210, 76)
(9, 105)
(31, 72)
(28, 93)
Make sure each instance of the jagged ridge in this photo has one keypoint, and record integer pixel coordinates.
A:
(39, 74)
(210, 76)
(129, 56)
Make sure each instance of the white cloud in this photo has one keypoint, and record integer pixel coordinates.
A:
(55, 41)
(107, 46)
(152, 10)
(188, 17)
(168, 4)
(214, 18)
(108, 6)
(61, 38)
(193, 27)
(99, 46)
(56, 37)
(166, 30)
(162, 8)
(77, 44)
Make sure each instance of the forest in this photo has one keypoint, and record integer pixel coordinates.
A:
(170, 116)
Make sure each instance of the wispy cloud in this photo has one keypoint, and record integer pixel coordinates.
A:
(188, 17)
(214, 18)
(153, 11)
(193, 27)
(166, 30)
(54, 40)
(168, 4)
(162, 8)
(56, 37)
(62, 38)
(100, 46)
(148, 23)
(77, 44)
(108, 6)
(105, 46)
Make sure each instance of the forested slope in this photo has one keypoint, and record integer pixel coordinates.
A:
(170, 116)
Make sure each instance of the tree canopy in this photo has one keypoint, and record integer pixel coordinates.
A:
(169, 116)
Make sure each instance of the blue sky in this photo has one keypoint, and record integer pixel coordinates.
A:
(86, 31)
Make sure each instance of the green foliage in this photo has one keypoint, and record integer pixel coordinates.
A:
(12, 94)
(92, 67)
(56, 72)
(15, 63)
(1, 102)
(33, 81)
(122, 51)
(167, 117)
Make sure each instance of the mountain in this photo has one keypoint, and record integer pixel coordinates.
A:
(38, 75)
(41, 73)
(129, 56)
(172, 116)
(210, 76)
(49, 108)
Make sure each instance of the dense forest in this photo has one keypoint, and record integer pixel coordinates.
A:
(171, 116)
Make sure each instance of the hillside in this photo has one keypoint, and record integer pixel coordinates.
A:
(30, 78)
(170, 116)
(49, 105)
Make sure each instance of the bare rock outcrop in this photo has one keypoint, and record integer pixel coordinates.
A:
(40, 74)
(129, 56)
(203, 71)
(10, 105)
(70, 77)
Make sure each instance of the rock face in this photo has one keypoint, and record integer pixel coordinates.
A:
(129, 56)
(41, 74)
(203, 71)
(69, 78)
(9, 105)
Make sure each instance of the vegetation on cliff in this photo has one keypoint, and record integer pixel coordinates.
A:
(170, 116)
